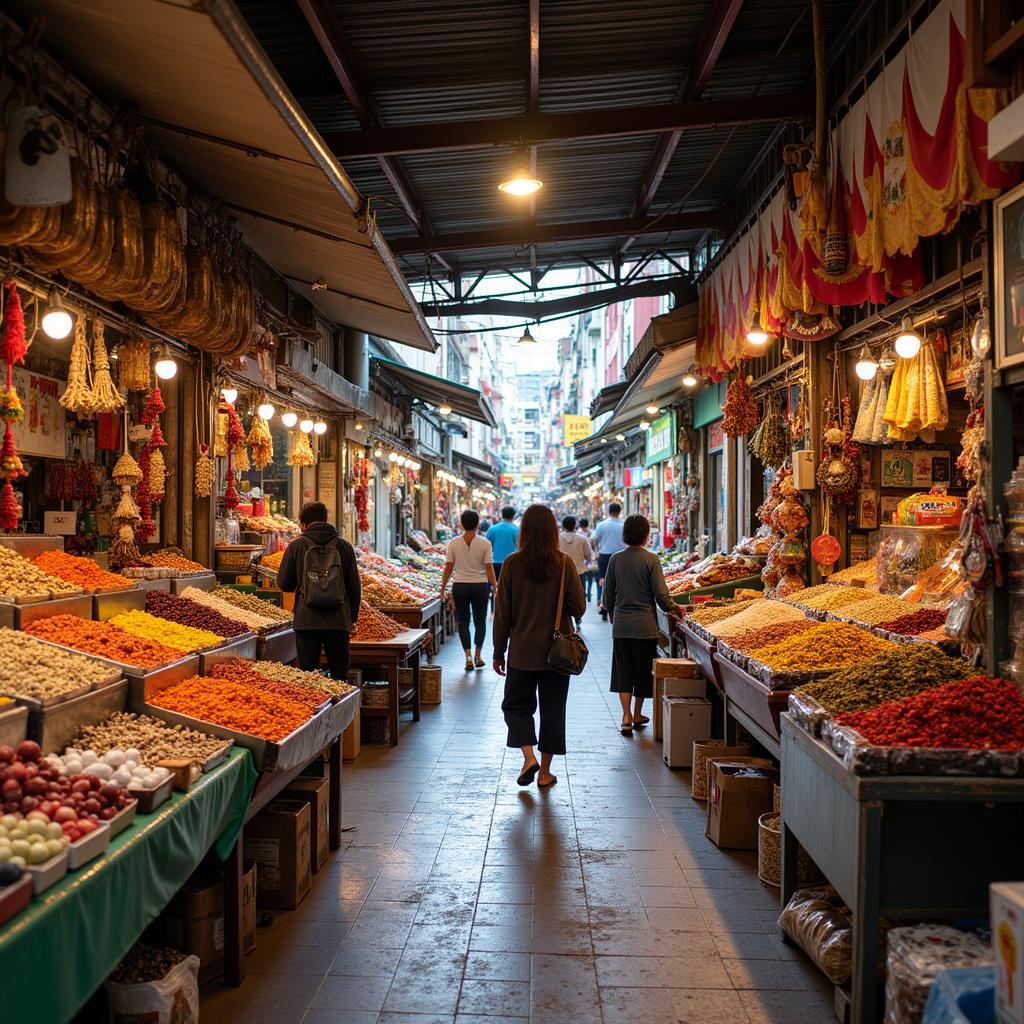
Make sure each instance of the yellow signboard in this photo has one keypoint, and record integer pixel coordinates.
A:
(577, 428)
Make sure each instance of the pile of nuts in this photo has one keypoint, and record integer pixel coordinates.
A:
(874, 610)
(185, 638)
(29, 668)
(191, 613)
(20, 578)
(239, 670)
(155, 740)
(835, 598)
(144, 963)
(287, 674)
(767, 635)
(706, 614)
(374, 627)
(756, 616)
(252, 603)
(172, 560)
(84, 573)
(104, 640)
(229, 611)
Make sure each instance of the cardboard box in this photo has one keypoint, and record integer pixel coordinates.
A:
(351, 739)
(674, 686)
(194, 922)
(685, 720)
(1006, 908)
(680, 668)
(278, 840)
(316, 792)
(707, 750)
(738, 794)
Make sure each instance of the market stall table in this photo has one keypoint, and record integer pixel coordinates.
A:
(415, 616)
(907, 847)
(402, 652)
(58, 952)
(751, 703)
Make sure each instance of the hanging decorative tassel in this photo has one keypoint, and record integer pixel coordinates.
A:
(230, 493)
(11, 408)
(154, 407)
(203, 479)
(135, 364)
(127, 510)
(235, 432)
(10, 462)
(157, 477)
(302, 451)
(13, 341)
(242, 463)
(156, 438)
(77, 397)
(126, 471)
(10, 513)
(261, 443)
(105, 397)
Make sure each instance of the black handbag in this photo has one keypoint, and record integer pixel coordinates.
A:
(568, 653)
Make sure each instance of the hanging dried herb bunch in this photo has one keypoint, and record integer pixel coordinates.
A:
(261, 442)
(105, 397)
(126, 471)
(77, 397)
(302, 451)
(740, 415)
(203, 478)
(770, 442)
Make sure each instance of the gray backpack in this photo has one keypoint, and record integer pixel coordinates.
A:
(323, 587)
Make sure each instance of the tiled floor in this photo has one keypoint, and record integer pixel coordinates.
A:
(463, 899)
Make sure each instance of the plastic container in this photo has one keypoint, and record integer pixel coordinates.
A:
(120, 821)
(14, 898)
(905, 552)
(49, 872)
(89, 847)
(150, 799)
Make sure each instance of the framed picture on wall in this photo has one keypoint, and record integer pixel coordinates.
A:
(897, 468)
(867, 509)
(958, 355)
(1008, 315)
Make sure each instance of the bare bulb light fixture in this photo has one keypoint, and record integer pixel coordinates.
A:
(266, 411)
(165, 367)
(527, 338)
(653, 410)
(56, 321)
(689, 379)
(908, 343)
(644, 425)
(521, 180)
(306, 425)
(756, 334)
(319, 427)
(289, 419)
(230, 395)
(444, 409)
(867, 364)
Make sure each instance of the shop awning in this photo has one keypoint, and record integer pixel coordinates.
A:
(566, 474)
(607, 398)
(475, 468)
(436, 391)
(590, 461)
(219, 112)
(665, 332)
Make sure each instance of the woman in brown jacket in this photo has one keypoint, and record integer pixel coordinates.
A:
(524, 622)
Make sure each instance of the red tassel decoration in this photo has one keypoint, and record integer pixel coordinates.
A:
(154, 407)
(230, 494)
(10, 463)
(156, 439)
(13, 339)
(9, 511)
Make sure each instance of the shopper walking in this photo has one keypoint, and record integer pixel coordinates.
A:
(503, 536)
(606, 541)
(468, 563)
(590, 576)
(575, 547)
(320, 569)
(524, 620)
(634, 586)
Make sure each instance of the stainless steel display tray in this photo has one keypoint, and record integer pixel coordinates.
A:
(243, 646)
(35, 703)
(13, 725)
(31, 545)
(178, 670)
(296, 749)
(17, 616)
(163, 585)
(204, 581)
(277, 646)
(106, 606)
(55, 726)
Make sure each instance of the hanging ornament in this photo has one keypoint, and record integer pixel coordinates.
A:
(203, 478)
(156, 438)
(10, 462)
(12, 342)
(11, 409)
(235, 431)
(242, 463)
(157, 478)
(261, 442)
(154, 407)
(127, 510)
(302, 452)
(105, 397)
(77, 397)
(10, 513)
(739, 414)
(230, 492)
(126, 471)
(134, 364)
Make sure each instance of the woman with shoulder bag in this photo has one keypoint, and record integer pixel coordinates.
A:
(537, 586)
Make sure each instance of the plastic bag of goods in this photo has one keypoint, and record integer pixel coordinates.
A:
(820, 923)
(916, 956)
(155, 985)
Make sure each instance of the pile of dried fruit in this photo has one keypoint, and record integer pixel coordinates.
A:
(258, 622)
(234, 706)
(20, 578)
(155, 740)
(29, 668)
(144, 963)
(973, 714)
(287, 674)
(374, 627)
(756, 616)
(874, 610)
(272, 561)
(801, 597)
(768, 635)
(916, 622)
(84, 573)
(704, 615)
(190, 613)
(858, 573)
(104, 640)
(172, 560)
(905, 670)
(238, 670)
(252, 603)
(826, 645)
(835, 598)
(185, 638)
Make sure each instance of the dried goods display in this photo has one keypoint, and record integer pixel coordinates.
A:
(268, 523)
(190, 613)
(766, 635)
(820, 923)
(860, 573)
(235, 706)
(153, 739)
(29, 668)
(84, 573)
(870, 426)
(252, 603)
(374, 627)
(273, 560)
(261, 443)
(20, 578)
(712, 571)
(239, 670)
(916, 406)
(104, 640)
(966, 714)
(831, 599)
(873, 610)
(827, 645)
(133, 368)
(258, 622)
(898, 672)
(380, 591)
(301, 453)
(915, 623)
(121, 767)
(706, 614)
(739, 414)
(905, 552)
(757, 615)
(315, 680)
(770, 442)
(172, 634)
(145, 963)
(784, 515)
(174, 560)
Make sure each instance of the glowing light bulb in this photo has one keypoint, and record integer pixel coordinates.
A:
(319, 427)
(56, 320)
(306, 426)
(908, 344)
(266, 411)
(289, 419)
(230, 395)
(867, 365)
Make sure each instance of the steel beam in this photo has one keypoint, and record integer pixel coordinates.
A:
(584, 124)
(526, 234)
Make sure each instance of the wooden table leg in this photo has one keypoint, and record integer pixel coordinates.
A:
(864, 980)
(334, 810)
(392, 668)
(234, 963)
(415, 660)
(729, 723)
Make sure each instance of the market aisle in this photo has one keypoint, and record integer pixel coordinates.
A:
(465, 900)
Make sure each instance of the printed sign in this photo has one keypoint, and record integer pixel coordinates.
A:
(41, 431)
(660, 443)
(897, 469)
(577, 428)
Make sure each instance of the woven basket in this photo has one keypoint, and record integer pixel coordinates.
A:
(430, 684)
(703, 750)
(776, 797)
(375, 695)
(375, 730)
(769, 854)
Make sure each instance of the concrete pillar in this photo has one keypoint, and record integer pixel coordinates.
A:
(356, 353)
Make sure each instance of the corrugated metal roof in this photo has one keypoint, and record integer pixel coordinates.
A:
(429, 62)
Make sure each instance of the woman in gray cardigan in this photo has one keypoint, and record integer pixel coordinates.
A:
(634, 586)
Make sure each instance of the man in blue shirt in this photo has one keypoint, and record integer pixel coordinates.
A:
(504, 538)
(607, 539)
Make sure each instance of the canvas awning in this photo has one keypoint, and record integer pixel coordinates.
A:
(219, 113)
(437, 391)
(665, 332)
(476, 468)
(607, 398)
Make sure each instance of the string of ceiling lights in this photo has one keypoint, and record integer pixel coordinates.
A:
(266, 411)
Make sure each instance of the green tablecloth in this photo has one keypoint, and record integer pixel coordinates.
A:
(55, 954)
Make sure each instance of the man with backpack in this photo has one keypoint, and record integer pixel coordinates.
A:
(320, 569)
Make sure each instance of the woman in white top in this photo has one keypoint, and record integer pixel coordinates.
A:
(575, 546)
(468, 563)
